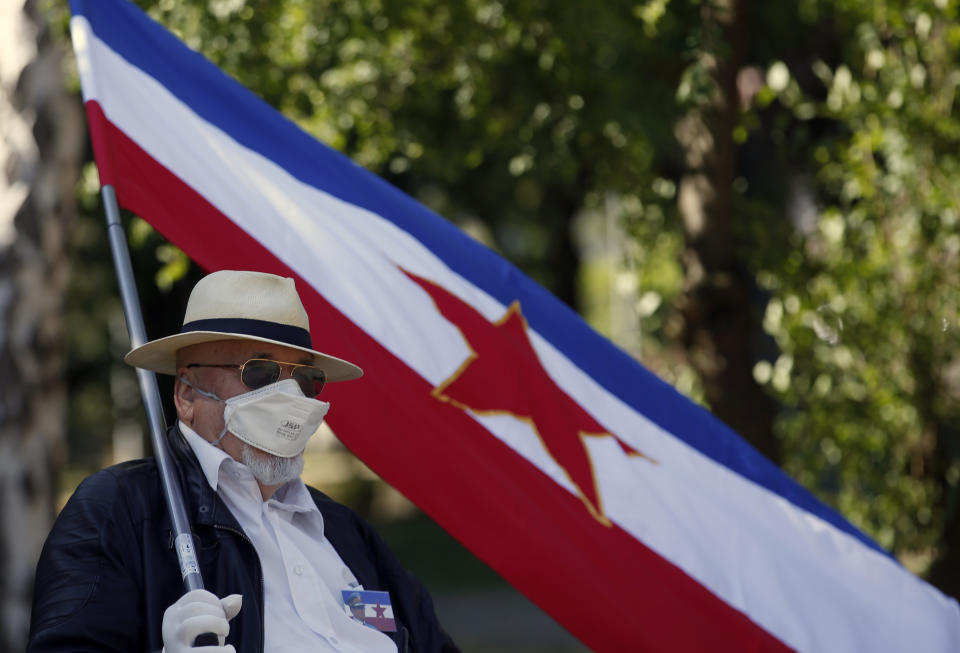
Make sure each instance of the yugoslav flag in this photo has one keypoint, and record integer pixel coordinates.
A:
(548, 452)
(371, 608)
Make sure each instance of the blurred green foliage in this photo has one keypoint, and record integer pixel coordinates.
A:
(518, 116)
(864, 302)
(511, 115)
(847, 219)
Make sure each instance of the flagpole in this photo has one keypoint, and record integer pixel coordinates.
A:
(150, 392)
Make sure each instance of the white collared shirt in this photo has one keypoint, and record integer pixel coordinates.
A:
(303, 574)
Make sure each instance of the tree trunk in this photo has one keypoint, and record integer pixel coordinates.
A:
(945, 572)
(721, 323)
(562, 256)
(933, 456)
(41, 137)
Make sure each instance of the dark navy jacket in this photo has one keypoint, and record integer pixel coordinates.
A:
(108, 569)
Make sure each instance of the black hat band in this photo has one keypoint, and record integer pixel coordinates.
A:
(286, 333)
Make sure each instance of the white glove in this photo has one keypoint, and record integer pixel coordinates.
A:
(195, 613)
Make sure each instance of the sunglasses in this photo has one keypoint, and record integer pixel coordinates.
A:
(258, 372)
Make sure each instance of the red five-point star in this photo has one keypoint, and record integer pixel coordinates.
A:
(503, 375)
(379, 609)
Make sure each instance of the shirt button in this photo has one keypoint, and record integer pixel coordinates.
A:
(298, 570)
(334, 641)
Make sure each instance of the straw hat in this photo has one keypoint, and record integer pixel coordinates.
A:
(238, 305)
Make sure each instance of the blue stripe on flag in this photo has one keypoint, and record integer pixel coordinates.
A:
(223, 102)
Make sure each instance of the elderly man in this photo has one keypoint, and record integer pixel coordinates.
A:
(277, 557)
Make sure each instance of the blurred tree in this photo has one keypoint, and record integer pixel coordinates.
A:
(865, 306)
(41, 133)
(506, 113)
(835, 212)
(720, 323)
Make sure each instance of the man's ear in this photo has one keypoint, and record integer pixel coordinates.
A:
(184, 398)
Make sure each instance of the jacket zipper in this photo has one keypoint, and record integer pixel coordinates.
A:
(263, 607)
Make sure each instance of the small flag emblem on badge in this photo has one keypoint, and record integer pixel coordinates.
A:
(370, 608)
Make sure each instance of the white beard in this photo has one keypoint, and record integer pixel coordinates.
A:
(270, 469)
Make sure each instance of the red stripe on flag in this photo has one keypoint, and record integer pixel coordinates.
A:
(599, 582)
(100, 129)
(382, 623)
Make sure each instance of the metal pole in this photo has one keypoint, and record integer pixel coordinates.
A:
(150, 392)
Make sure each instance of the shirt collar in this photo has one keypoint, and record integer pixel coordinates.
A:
(294, 497)
(209, 456)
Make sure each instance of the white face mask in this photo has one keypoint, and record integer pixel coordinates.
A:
(276, 418)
